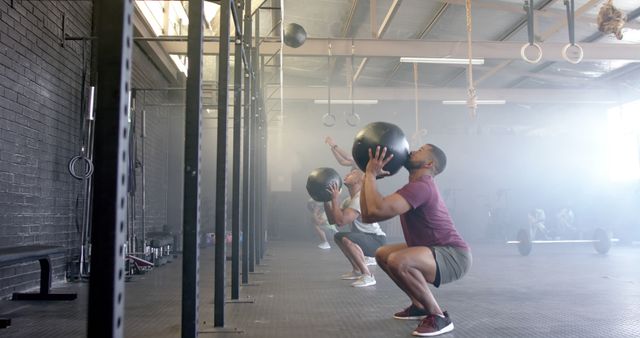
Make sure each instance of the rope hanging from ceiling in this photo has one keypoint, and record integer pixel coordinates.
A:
(417, 136)
(472, 98)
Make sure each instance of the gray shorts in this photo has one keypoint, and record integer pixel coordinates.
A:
(452, 263)
(368, 242)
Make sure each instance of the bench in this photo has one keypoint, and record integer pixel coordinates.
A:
(31, 253)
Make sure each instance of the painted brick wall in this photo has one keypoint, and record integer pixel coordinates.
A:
(40, 131)
(40, 83)
(159, 108)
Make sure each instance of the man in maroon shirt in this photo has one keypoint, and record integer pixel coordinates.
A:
(434, 252)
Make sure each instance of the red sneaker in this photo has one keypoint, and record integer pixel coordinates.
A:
(434, 325)
(411, 313)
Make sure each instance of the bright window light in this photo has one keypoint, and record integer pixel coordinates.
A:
(169, 18)
(153, 12)
(623, 142)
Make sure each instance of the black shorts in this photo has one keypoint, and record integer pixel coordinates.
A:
(368, 242)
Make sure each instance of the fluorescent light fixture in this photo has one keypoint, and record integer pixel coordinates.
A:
(346, 101)
(444, 61)
(477, 102)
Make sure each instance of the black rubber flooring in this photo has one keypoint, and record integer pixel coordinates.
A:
(559, 291)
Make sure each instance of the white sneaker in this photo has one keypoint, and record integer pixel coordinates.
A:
(364, 280)
(351, 275)
(370, 260)
(324, 245)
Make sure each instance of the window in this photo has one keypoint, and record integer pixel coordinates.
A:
(623, 142)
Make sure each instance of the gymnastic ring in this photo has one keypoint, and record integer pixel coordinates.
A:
(566, 57)
(524, 55)
(352, 119)
(72, 166)
(329, 120)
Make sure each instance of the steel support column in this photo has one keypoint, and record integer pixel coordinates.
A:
(237, 124)
(257, 145)
(111, 156)
(191, 197)
(221, 166)
(255, 90)
(246, 163)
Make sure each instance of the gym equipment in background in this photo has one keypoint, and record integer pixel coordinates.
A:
(601, 241)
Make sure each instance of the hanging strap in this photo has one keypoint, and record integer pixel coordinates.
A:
(352, 118)
(569, 4)
(84, 126)
(528, 6)
(570, 23)
(329, 120)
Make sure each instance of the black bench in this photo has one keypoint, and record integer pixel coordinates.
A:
(30, 253)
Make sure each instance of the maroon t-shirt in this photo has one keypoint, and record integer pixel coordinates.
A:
(428, 222)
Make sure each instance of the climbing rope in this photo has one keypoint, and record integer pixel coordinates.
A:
(472, 99)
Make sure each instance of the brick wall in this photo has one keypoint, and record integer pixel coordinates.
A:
(40, 84)
(40, 131)
(160, 109)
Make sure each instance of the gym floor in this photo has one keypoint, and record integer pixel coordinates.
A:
(558, 291)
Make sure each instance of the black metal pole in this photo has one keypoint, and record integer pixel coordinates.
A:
(254, 122)
(259, 200)
(237, 124)
(246, 181)
(263, 185)
(221, 166)
(258, 146)
(106, 289)
(191, 197)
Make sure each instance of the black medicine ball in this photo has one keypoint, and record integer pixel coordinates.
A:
(294, 35)
(381, 134)
(319, 180)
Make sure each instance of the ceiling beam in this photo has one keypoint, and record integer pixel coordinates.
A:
(544, 36)
(346, 29)
(592, 38)
(438, 14)
(157, 54)
(393, 9)
(515, 95)
(499, 50)
(506, 35)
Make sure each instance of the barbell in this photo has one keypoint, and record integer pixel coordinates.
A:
(601, 241)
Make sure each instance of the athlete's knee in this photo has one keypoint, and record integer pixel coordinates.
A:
(396, 263)
(346, 241)
(381, 256)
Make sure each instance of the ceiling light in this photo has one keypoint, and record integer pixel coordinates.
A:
(346, 101)
(445, 61)
(477, 101)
